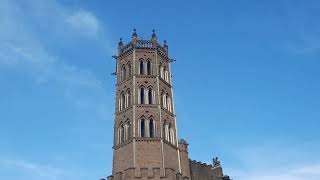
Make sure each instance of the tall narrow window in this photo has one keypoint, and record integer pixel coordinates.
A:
(123, 101)
(166, 76)
(151, 128)
(128, 130)
(164, 101)
(124, 73)
(121, 133)
(172, 139)
(129, 98)
(169, 132)
(142, 128)
(169, 105)
(142, 95)
(160, 70)
(141, 67)
(150, 96)
(129, 70)
(163, 73)
(167, 102)
(149, 68)
(164, 130)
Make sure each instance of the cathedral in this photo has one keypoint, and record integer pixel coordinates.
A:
(146, 143)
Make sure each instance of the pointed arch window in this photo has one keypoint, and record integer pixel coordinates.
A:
(124, 73)
(164, 101)
(160, 70)
(141, 95)
(129, 70)
(141, 67)
(169, 104)
(150, 96)
(164, 73)
(151, 128)
(169, 132)
(123, 101)
(164, 130)
(166, 76)
(149, 68)
(121, 133)
(142, 128)
(128, 98)
(128, 130)
(172, 139)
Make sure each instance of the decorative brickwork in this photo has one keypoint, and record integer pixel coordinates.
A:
(146, 144)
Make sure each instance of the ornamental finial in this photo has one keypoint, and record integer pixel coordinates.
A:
(134, 34)
(120, 42)
(154, 36)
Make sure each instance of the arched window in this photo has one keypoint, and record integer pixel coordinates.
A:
(128, 130)
(149, 68)
(121, 133)
(172, 139)
(128, 98)
(142, 128)
(160, 70)
(164, 130)
(124, 73)
(166, 76)
(170, 135)
(150, 96)
(141, 70)
(129, 70)
(163, 73)
(169, 104)
(141, 94)
(123, 101)
(151, 128)
(164, 101)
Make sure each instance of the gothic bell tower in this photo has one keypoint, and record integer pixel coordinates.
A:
(145, 133)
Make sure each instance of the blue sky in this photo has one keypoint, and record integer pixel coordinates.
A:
(246, 84)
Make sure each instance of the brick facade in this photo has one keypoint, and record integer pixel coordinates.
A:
(146, 144)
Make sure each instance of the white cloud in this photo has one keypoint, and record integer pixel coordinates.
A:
(278, 161)
(23, 49)
(310, 172)
(20, 46)
(36, 171)
(84, 22)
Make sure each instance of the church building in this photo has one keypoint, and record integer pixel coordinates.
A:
(146, 143)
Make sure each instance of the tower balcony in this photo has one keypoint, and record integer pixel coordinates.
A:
(143, 44)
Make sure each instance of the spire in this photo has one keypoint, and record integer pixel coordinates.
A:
(154, 36)
(165, 44)
(120, 43)
(134, 34)
(165, 47)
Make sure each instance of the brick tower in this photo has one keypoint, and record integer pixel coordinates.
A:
(146, 142)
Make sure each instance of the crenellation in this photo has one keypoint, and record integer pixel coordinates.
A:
(146, 145)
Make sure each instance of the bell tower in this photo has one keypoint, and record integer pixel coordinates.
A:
(145, 132)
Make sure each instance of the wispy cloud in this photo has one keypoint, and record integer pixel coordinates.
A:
(84, 22)
(310, 172)
(24, 50)
(21, 46)
(278, 162)
(35, 170)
